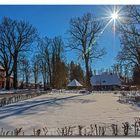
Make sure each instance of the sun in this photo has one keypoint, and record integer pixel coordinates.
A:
(114, 16)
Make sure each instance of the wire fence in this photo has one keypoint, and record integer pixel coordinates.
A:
(20, 96)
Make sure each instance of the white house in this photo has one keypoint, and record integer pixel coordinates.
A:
(74, 83)
(105, 81)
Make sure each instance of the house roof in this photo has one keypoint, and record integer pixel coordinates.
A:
(74, 83)
(105, 79)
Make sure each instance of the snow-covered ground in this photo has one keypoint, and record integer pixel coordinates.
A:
(4, 91)
(66, 109)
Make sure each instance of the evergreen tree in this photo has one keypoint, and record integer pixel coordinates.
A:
(76, 72)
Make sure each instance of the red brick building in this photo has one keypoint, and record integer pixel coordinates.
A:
(3, 79)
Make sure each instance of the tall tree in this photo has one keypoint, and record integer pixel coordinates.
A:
(24, 69)
(35, 69)
(21, 37)
(83, 31)
(6, 59)
(136, 75)
(43, 69)
(27, 71)
(130, 39)
(17, 36)
(59, 67)
(45, 53)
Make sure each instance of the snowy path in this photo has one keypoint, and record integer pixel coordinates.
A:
(58, 110)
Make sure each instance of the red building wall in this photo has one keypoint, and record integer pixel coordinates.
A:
(3, 79)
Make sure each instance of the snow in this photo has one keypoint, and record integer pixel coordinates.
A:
(4, 91)
(7, 91)
(64, 109)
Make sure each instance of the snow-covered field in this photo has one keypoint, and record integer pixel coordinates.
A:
(66, 109)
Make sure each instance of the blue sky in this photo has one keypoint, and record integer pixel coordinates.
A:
(53, 20)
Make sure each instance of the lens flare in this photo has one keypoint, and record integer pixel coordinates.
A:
(114, 16)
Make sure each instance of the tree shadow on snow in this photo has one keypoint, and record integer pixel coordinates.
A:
(24, 107)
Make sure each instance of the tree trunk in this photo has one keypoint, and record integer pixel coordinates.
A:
(53, 70)
(44, 85)
(35, 83)
(49, 71)
(35, 80)
(44, 79)
(27, 81)
(15, 71)
(88, 85)
(7, 82)
(50, 76)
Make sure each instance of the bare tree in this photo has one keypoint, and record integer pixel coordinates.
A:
(22, 36)
(130, 52)
(24, 68)
(44, 51)
(43, 69)
(21, 63)
(16, 36)
(51, 61)
(27, 71)
(136, 75)
(130, 39)
(6, 60)
(83, 31)
(35, 68)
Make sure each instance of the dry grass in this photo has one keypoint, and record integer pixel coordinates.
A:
(125, 129)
